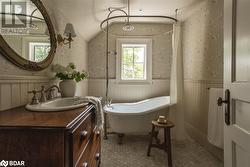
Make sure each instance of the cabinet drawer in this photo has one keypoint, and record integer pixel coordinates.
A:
(91, 156)
(81, 135)
(95, 154)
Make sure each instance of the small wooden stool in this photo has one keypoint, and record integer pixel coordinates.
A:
(166, 145)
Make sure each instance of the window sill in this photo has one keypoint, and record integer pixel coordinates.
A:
(134, 82)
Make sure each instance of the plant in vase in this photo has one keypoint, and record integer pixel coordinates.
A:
(68, 76)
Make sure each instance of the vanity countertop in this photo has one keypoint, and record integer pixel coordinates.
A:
(22, 118)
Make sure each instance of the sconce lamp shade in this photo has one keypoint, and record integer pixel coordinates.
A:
(69, 29)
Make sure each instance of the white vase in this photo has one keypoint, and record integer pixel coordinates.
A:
(68, 88)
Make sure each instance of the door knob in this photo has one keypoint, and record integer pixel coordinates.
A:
(220, 101)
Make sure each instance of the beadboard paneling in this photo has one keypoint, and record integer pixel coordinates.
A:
(14, 89)
(196, 101)
(129, 92)
(24, 93)
(5, 96)
(15, 94)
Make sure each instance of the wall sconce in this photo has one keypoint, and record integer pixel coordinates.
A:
(69, 32)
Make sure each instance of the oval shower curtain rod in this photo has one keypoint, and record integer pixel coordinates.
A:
(135, 16)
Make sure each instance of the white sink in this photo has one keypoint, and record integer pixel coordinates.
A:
(59, 104)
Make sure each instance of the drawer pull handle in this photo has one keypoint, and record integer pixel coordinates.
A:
(84, 134)
(85, 164)
(97, 156)
(97, 133)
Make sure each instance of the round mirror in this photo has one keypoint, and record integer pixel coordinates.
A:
(27, 37)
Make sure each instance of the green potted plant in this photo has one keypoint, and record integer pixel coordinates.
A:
(68, 76)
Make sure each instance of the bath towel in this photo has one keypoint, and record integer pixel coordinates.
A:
(99, 111)
(215, 118)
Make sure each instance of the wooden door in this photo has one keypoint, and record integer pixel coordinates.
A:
(237, 82)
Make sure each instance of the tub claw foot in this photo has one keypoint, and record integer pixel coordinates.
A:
(105, 137)
(120, 138)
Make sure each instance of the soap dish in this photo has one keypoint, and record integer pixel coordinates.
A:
(162, 122)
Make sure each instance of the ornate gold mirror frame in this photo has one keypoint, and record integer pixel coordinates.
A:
(16, 59)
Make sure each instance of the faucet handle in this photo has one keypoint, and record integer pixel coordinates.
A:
(33, 91)
(34, 98)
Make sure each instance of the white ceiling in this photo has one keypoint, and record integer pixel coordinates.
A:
(86, 15)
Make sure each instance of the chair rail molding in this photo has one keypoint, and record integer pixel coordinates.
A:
(23, 78)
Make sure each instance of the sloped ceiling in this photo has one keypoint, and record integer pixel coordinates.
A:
(86, 15)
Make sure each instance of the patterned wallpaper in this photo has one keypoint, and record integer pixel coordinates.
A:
(203, 42)
(162, 49)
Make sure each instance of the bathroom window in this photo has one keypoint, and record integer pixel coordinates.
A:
(134, 60)
(38, 51)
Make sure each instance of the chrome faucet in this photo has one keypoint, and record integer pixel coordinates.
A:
(43, 95)
(46, 94)
(108, 103)
(50, 91)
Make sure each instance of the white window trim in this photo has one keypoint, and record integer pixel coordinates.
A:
(31, 48)
(27, 40)
(148, 42)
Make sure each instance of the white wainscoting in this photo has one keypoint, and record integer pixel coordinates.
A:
(196, 99)
(129, 92)
(14, 89)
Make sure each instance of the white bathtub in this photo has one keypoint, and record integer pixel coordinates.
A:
(135, 118)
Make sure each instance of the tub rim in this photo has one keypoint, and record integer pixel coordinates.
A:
(115, 112)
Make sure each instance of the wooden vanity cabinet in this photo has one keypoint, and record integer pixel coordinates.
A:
(53, 139)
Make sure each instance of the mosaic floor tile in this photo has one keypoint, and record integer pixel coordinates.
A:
(132, 153)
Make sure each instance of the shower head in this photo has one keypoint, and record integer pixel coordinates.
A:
(128, 27)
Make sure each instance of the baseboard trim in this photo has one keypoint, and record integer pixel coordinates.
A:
(201, 138)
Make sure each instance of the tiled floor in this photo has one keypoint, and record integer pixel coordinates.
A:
(133, 154)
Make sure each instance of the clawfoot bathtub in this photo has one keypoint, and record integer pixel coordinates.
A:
(135, 118)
